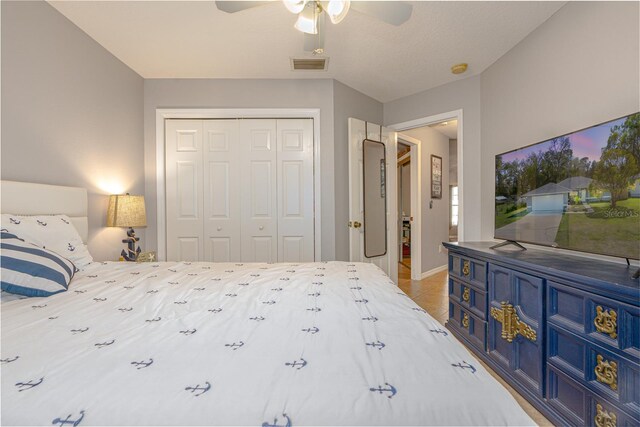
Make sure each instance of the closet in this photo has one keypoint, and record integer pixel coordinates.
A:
(239, 190)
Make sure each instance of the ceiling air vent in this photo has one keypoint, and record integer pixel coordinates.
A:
(309, 64)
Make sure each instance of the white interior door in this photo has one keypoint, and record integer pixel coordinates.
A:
(183, 192)
(358, 132)
(258, 165)
(221, 153)
(295, 190)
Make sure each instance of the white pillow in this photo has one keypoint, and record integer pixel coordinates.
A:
(53, 232)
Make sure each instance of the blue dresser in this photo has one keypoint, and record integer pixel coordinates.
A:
(563, 330)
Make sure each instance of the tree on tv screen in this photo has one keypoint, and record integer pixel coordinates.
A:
(619, 164)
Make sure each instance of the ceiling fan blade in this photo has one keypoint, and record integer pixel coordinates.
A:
(315, 41)
(391, 12)
(237, 6)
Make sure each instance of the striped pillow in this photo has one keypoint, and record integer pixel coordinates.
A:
(30, 270)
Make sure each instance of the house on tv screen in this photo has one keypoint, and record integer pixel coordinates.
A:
(553, 197)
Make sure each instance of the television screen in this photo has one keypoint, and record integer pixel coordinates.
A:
(579, 191)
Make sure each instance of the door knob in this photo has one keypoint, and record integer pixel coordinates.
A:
(219, 228)
(261, 227)
(357, 224)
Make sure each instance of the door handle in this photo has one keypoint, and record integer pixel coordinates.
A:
(357, 224)
(512, 326)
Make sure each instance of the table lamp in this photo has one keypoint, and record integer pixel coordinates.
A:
(127, 211)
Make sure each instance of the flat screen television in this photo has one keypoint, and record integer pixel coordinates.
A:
(579, 191)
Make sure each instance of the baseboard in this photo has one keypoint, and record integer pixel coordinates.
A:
(433, 271)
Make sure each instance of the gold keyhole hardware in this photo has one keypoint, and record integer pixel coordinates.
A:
(512, 326)
(466, 268)
(607, 372)
(465, 320)
(355, 224)
(604, 418)
(466, 294)
(606, 321)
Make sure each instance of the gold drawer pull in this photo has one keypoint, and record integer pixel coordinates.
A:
(604, 418)
(512, 326)
(606, 321)
(466, 294)
(607, 372)
(465, 320)
(466, 267)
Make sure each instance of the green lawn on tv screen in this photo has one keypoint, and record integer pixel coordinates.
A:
(606, 231)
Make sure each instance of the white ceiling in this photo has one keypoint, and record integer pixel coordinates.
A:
(448, 128)
(193, 39)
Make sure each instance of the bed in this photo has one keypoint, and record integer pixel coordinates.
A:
(169, 343)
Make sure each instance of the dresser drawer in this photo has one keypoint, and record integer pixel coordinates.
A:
(601, 371)
(612, 324)
(468, 297)
(467, 269)
(470, 326)
(579, 406)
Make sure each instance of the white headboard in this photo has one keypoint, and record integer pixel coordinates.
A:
(26, 198)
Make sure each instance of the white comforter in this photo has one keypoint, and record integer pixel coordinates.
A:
(239, 344)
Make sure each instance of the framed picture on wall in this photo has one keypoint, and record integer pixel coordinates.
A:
(436, 177)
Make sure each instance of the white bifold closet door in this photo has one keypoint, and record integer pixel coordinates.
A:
(240, 190)
(221, 201)
(184, 180)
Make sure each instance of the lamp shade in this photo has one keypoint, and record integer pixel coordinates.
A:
(295, 6)
(336, 9)
(126, 211)
(307, 21)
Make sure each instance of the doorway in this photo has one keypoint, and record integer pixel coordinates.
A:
(456, 204)
(404, 204)
(441, 196)
(409, 225)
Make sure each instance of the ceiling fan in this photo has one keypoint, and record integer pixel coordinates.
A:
(311, 14)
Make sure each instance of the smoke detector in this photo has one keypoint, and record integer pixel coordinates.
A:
(459, 68)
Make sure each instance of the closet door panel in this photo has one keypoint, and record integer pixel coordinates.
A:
(184, 189)
(219, 249)
(295, 190)
(262, 189)
(188, 248)
(258, 191)
(221, 191)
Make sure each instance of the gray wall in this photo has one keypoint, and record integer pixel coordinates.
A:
(221, 93)
(404, 178)
(435, 221)
(347, 102)
(578, 69)
(465, 95)
(71, 114)
(453, 162)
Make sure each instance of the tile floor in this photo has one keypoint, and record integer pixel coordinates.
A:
(432, 294)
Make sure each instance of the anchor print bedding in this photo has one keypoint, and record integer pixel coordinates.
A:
(239, 344)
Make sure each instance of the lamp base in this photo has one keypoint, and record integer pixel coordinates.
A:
(130, 253)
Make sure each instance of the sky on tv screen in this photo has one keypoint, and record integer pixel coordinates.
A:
(585, 143)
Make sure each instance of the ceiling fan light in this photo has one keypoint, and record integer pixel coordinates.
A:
(307, 21)
(336, 9)
(295, 6)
